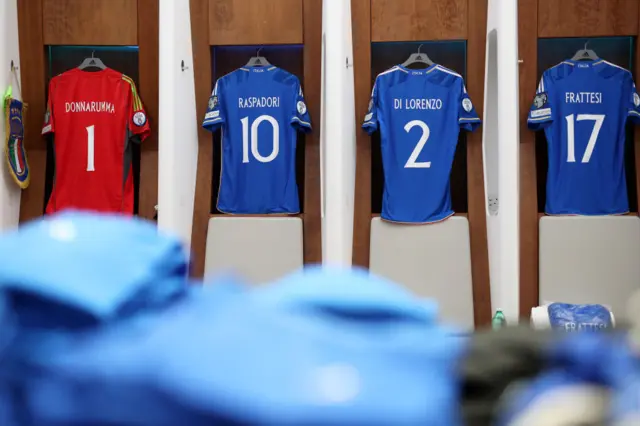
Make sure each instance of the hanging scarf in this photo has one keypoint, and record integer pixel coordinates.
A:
(14, 114)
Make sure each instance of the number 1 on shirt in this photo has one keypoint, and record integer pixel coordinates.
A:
(91, 148)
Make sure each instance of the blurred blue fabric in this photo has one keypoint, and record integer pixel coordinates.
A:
(101, 326)
(89, 268)
(318, 347)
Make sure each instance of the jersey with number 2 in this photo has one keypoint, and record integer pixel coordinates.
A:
(94, 116)
(419, 114)
(260, 110)
(583, 107)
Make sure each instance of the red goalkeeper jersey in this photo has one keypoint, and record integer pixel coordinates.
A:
(95, 116)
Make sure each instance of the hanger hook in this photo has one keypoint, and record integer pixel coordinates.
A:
(92, 54)
(258, 51)
(420, 47)
(586, 43)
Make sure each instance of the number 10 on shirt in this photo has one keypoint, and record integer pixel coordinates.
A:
(251, 133)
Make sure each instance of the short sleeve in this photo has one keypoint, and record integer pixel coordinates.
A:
(300, 118)
(634, 102)
(48, 125)
(540, 114)
(467, 116)
(370, 123)
(214, 118)
(138, 120)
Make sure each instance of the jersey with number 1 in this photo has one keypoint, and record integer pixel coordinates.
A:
(260, 110)
(94, 116)
(583, 107)
(419, 114)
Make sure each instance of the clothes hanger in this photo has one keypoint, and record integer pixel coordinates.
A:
(585, 54)
(258, 61)
(418, 58)
(92, 62)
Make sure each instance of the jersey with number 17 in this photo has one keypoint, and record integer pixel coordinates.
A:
(583, 107)
(419, 114)
(94, 116)
(260, 110)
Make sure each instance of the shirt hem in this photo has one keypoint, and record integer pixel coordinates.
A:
(256, 213)
(427, 222)
(587, 214)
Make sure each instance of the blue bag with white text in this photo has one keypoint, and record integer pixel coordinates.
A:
(569, 317)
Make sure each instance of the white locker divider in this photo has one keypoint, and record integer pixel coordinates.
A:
(337, 134)
(9, 52)
(177, 121)
(501, 135)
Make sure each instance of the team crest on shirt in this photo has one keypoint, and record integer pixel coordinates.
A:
(302, 108)
(467, 105)
(139, 118)
(213, 102)
(540, 100)
(636, 99)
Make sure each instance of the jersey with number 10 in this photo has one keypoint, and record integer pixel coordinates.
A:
(95, 116)
(419, 114)
(259, 109)
(583, 107)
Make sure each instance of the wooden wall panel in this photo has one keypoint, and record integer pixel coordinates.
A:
(32, 73)
(587, 18)
(528, 50)
(408, 20)
(476, 52)
(361, 29)
(312, 84)
(202, 75)
(91, 22)
(249, 22)
(148, 42)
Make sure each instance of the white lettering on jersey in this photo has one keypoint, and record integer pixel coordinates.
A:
(263, 102)
(417, 103)
(541, 112)
(583, 97)
(82, 106)
(584, 326)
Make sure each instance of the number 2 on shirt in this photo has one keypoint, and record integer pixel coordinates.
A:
(412, 162)
(571, 142)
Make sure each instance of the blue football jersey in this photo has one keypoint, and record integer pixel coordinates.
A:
(419, 114)
(259, 109)
(583, 107)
